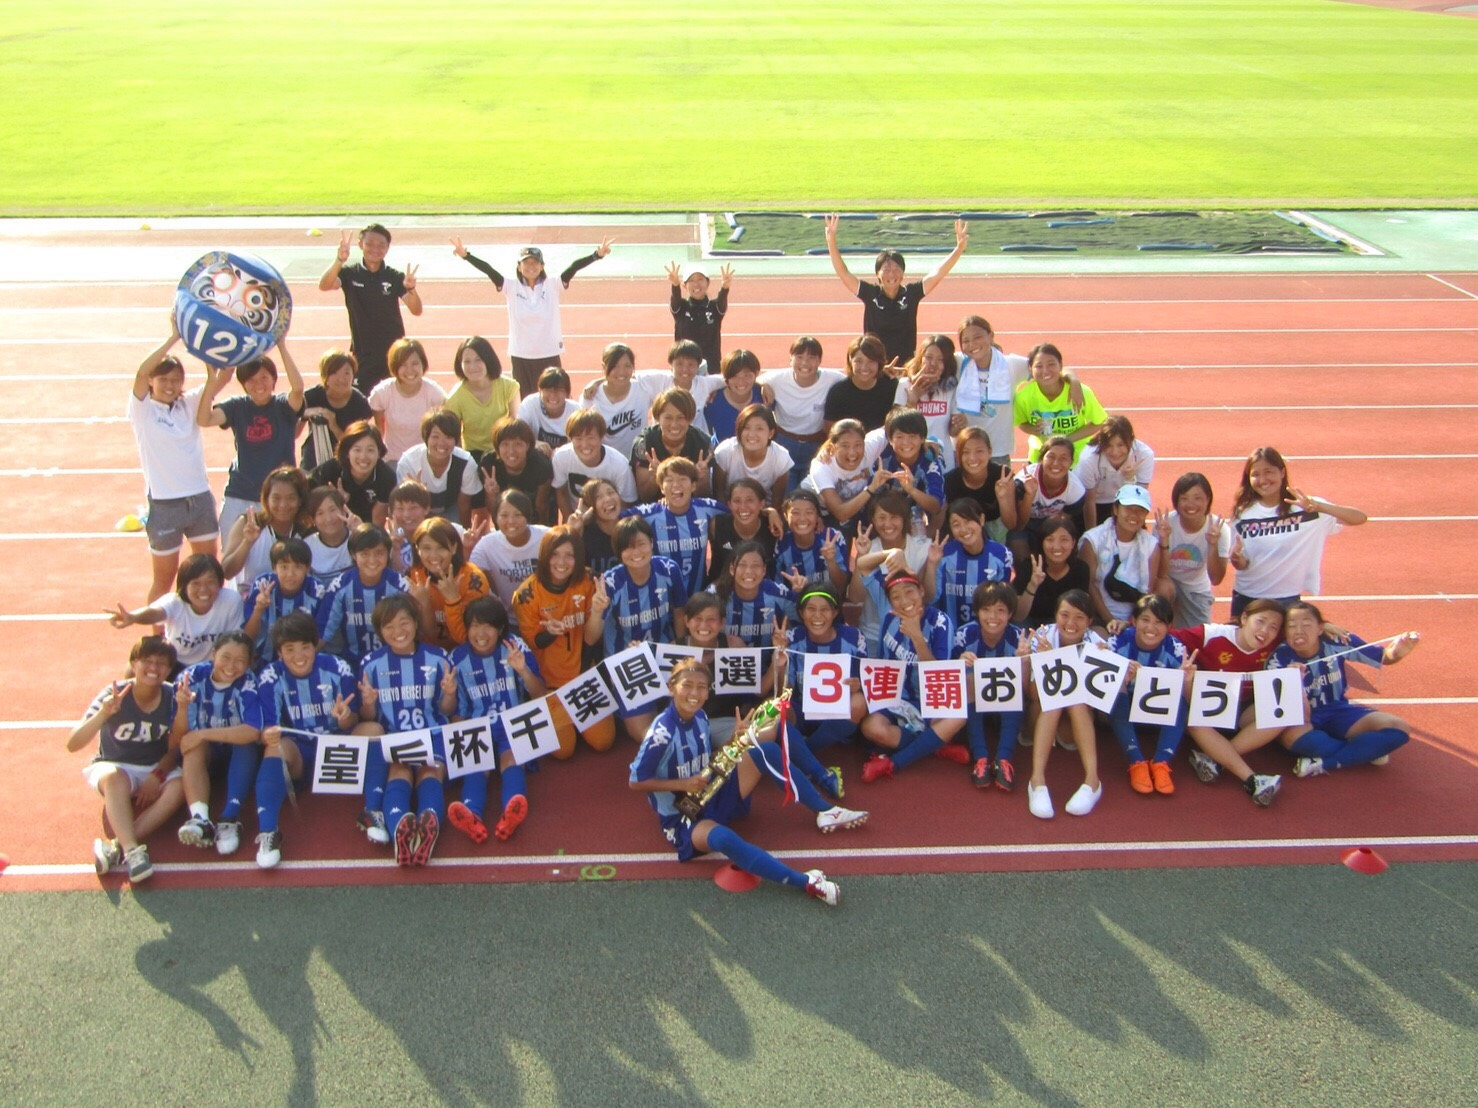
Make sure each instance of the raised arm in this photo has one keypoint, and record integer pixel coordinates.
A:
(580, 263)
(330, 279)
(208, 415)
(294, 378)
(478, 264)
(152, 359)
(939, 272)
(838, 264)
(412, 298)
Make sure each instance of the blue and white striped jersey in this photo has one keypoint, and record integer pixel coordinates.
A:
(643, 612)
(409, 686)
(960, 573)
(306, 702)
(344, 612)
(683, 538)
(222, 706)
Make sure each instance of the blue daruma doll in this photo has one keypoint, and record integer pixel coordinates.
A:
(231, 308)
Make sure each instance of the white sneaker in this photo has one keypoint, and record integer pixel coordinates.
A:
(1083, 801)
(1262, 788)
(818, 887)
(228, 837)
(839, 819)
(106, 853)
(269, 849)
(1309, 767)
(1039, 801)
(1383, 760)
(1206, 769)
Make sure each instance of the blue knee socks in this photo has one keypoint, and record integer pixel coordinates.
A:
(1341, 754)
(475, 793)
(923, 746)
(397, 803)
(514, 783)
(240, 774)
(751, 859)
(431, 797)
(271, 792)
(768, 758)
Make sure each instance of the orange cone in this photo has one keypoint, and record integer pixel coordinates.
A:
(1362, 859)
(732, 879)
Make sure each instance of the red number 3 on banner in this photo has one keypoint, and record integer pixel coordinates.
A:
(826, 683)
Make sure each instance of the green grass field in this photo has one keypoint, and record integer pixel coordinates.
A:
(336, 106)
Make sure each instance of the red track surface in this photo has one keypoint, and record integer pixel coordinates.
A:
(1323, 358)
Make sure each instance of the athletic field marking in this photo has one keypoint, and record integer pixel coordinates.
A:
(119, 340)
(122, 471)
(9, 421)
(1456, 288)
(1375, 701)
(859, 853)
(582, 374)
(637, 305)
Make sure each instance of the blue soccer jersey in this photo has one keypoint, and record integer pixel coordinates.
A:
(960, 573)
(968, 639)
(222, 706)
(753, 619)
(682, 538)
(643, 612)
(790, 556)
(486, 683)
(1169, 654)
(409, 686)
(307, 702)
(928, 473)
(847, 643)
(938, 629)
(344, 612)
(306, 599)
(671, 750)
(1324, 676)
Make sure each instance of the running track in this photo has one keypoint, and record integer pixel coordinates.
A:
(1365, 381)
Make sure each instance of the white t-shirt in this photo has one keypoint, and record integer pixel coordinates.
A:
(1188, 552)
(547, 428)
(624, 418)
(1134, 562)
(1283, 553)
(192, 634)
(729, 457)
(403, 413)
(570, 473)
(799, 410)
(704, 386)
(1103, 481)
(1044, 505)
(985, 398)
(171, 447)
(848, 483)
(533, 318)
(328, 561)
(935, 406)
(507, 566)
(413, 464)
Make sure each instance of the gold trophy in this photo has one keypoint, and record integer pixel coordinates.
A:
(726, 760)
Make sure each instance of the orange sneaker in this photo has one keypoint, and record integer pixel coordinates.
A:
(1160, 775)
(514, 813)
(1139, 777)
(465, 820)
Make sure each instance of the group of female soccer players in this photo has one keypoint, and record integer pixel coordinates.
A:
(433, 561)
